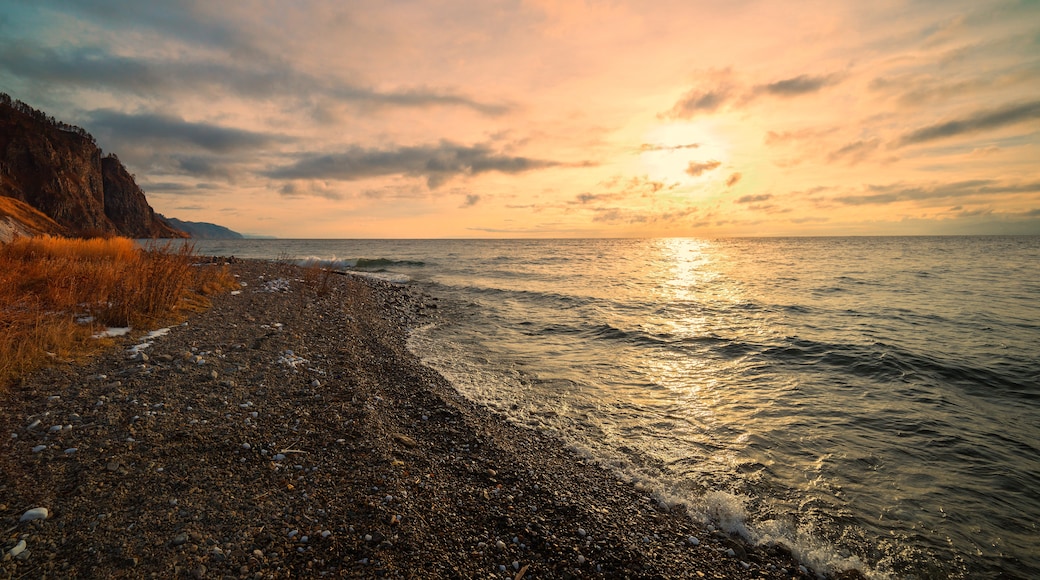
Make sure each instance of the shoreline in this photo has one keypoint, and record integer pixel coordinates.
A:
(288, 432)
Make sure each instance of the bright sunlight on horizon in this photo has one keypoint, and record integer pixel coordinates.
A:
(545, 118)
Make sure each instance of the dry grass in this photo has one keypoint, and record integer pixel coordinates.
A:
(47, 283)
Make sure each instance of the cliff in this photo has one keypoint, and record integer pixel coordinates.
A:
(58, 169)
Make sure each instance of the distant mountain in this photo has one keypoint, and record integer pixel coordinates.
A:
(203, 230)
(58, 169)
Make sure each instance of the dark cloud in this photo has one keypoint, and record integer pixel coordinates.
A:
(700, 101)
(437, 163)
(155, 128)
(199, 166)
(472, 199)
(733, 179)
(720, 89)
(696, 169)
(98, 68)
(755, 198)
(979, 121)
(799, 85)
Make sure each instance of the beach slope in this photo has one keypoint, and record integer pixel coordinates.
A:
(287, 432)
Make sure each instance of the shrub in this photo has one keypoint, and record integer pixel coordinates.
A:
(47, 284)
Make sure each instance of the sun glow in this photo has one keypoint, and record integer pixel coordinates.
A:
(686, 153)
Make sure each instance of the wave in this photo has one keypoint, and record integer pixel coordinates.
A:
(375, 263)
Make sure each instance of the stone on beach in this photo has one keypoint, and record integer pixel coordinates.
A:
(37, 513)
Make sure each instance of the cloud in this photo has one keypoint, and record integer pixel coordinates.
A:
(894, 193)
(782, 137)
(615, 215)
(699, 101)
(856, 151)
(978, 121)
(720, 88)
(471, 200)
(437, 163)
(755, 198)
(259, 78)
(733, 179)
(150, 127)
(647, 147)
(799, 85)
(695, 169)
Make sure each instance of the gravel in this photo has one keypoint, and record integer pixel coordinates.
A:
(361, 461)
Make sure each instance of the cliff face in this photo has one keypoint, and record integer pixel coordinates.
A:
(59, 170)
(126, 206)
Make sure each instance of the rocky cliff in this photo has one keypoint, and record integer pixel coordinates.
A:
(59, 170)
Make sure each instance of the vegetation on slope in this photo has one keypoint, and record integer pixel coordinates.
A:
(56, 293)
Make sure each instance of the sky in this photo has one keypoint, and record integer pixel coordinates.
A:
(552, 119)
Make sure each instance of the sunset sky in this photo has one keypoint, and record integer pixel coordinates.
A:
(542, 118)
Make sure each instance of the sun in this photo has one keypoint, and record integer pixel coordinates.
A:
(687, 153)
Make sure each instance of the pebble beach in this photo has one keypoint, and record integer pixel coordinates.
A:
(288, 432)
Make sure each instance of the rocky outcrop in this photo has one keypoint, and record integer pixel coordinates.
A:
(126, 206)
(19, 219)
(58, 169)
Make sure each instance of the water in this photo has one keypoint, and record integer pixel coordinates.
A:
(870, 402)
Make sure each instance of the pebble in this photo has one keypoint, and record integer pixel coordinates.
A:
(581, 559)
(55, 428)
(39, 513)
(246, 446)
(17, 549)
(71, 450)
(693, 540)
(582, 532)
(326, 534)
(500, 545)
(278, 457)
(34, 424)
(38, 448)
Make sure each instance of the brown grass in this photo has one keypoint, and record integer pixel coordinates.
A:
(47, 283)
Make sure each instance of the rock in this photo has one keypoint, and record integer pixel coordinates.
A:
(693, 540)
(38, 448)
(71, 450)
(179, 540)
(33, 425)
(17, 549)
(39, 513)
(405, 440)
